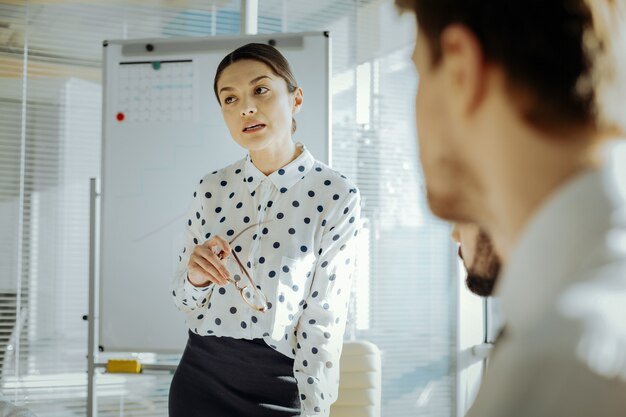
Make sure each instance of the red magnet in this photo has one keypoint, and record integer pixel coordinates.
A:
(120, 117)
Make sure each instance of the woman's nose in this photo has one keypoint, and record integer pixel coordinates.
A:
(248, 108)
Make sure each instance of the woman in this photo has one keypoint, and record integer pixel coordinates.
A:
(264, 277)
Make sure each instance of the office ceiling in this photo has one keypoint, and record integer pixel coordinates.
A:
(52, 22)
(50, 27)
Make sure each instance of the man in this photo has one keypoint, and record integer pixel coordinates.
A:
(514, 135)
(479, 258)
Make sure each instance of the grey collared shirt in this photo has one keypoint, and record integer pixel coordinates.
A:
(563, 295)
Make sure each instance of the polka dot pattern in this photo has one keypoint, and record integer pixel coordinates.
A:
(300, 255)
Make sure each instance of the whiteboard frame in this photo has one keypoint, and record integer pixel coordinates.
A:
(137, 49)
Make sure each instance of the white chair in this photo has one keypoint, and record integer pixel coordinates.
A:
(360, 381)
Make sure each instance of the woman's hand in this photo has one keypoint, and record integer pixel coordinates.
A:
(207, 263)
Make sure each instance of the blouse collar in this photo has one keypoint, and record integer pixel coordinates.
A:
(283, 178)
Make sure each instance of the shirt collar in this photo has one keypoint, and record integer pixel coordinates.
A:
(559, 239)
(284, 178)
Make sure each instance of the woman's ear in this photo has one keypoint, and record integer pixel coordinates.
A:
(297, 100)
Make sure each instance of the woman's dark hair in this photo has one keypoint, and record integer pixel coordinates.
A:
(541, 44)
(266, 54)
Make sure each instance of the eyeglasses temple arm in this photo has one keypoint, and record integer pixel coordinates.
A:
(243, 268)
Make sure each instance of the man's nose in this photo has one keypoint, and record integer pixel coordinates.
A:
(456, 233)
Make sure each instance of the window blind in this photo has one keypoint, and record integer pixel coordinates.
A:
(50, 69)
(50, 101)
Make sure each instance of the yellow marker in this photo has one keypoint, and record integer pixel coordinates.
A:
(127, 366)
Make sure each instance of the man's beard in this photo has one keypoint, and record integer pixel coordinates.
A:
(479, 284)
(482, 275)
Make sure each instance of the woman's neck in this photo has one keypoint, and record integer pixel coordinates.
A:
(269, 160)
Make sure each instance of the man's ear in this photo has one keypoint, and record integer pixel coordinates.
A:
(297, 102)
(464, 66)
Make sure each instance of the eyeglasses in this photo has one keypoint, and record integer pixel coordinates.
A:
(249, 292)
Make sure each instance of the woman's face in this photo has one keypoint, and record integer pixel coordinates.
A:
(256, 105)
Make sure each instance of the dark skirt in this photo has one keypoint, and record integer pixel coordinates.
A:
(226, 377)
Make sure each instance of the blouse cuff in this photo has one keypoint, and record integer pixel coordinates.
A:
(197, 295)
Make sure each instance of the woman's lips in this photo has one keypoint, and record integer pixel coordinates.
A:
(253, 126)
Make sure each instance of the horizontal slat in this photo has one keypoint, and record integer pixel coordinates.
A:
(354, 411)
(362, 363)
(359, 380)
(358, 397)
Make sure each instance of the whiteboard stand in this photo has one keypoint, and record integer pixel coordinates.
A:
(92, 316)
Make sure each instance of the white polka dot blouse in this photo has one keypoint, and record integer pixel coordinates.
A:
(299, 253)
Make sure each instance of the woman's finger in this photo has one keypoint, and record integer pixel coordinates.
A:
(217, 262)
(219, 246)
(206, 269)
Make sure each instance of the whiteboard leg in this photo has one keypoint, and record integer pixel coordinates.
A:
(92, 319)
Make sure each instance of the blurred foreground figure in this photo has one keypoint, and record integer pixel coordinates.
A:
(520, 117)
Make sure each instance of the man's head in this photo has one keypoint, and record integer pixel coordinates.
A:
(539, 44)
(479, 258)
(490, 70)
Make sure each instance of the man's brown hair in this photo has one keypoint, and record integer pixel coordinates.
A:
(541, 45)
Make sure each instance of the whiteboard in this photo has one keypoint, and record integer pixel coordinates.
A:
(163, 131)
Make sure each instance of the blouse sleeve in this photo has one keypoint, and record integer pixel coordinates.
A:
(322, 324)
(188, 297)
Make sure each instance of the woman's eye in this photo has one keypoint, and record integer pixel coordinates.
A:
(229, 100)
(261, 90)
